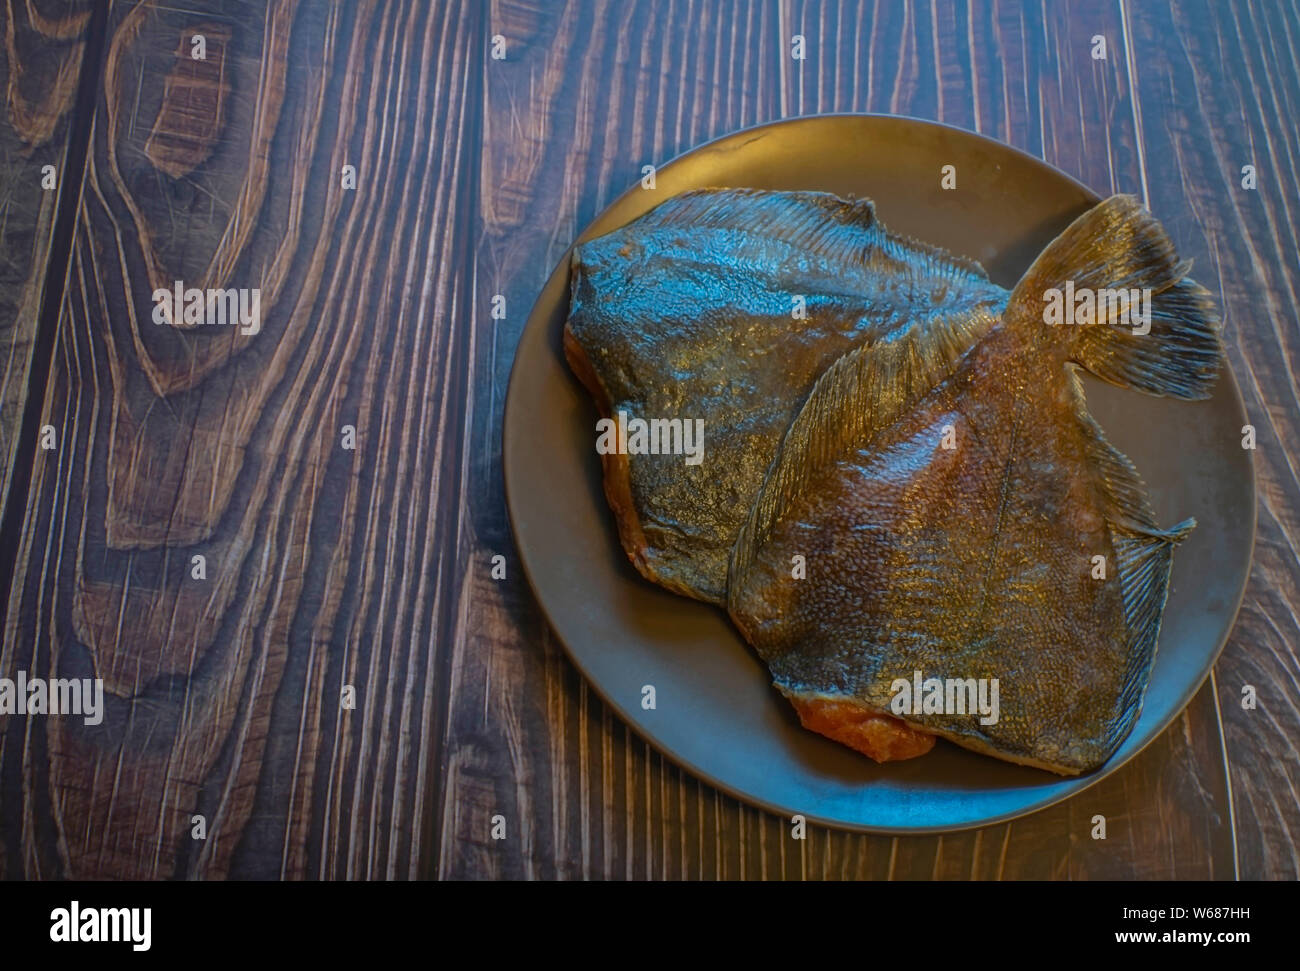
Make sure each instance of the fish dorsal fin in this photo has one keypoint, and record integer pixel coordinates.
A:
(1123, 491)
(863, 392)
(818, 222)
(1144, 555)
(936, 262)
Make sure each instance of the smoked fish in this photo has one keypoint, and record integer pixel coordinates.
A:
(965, 523)
(724, 306)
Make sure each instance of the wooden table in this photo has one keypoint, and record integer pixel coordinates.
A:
(327, 566)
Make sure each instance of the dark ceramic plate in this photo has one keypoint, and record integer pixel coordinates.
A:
(716, 712)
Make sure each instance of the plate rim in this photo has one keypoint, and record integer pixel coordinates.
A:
(1106, 769)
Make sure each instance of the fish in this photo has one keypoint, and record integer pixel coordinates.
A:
(719, 309)
(965, 521)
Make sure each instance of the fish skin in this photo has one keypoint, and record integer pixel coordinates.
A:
(976, 562)
(687, 312)
(959, 564)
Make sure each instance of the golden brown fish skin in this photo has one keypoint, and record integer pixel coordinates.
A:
(616, 476)
(898, 530)
(687, 313)
(976, 562)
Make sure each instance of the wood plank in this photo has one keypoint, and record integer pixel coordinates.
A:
(585, 96)
(48, 71)
(1220, 89)
(40, 64)
(326, 567)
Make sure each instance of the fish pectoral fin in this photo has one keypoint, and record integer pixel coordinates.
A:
(1160, 332)
(863, 392)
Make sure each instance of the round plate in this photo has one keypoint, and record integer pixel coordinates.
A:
(716, 712)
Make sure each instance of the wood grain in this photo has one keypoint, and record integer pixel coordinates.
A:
(1222, 92)
(587, 95)
(324, 566)
(40, 64)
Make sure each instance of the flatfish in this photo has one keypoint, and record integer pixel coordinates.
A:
(712, 316)
(982, 565)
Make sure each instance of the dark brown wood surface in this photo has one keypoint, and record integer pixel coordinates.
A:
(40, 65)
(328, 567)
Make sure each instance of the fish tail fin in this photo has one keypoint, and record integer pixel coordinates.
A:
(1112, 286)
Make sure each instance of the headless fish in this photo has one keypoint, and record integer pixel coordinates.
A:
(722, 307)
(977, 564)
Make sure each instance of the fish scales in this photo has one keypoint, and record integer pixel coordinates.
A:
(976, 565)
(690, 312)
(976, 562)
